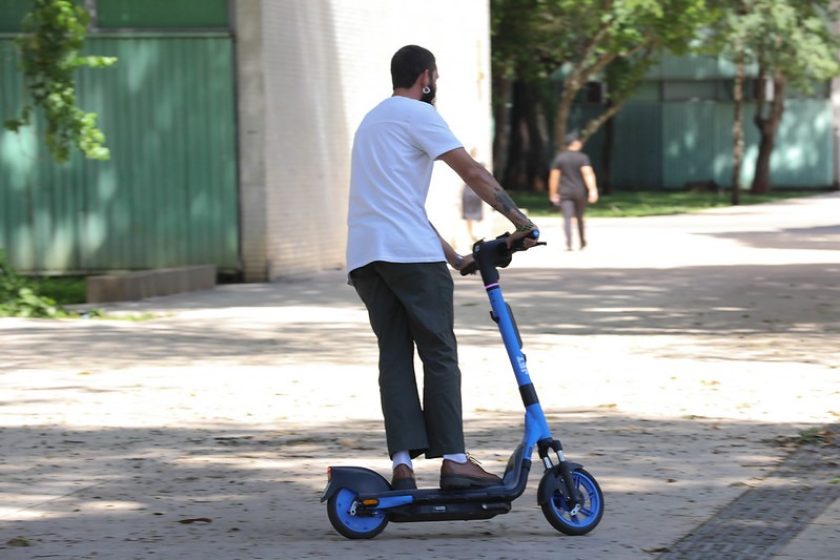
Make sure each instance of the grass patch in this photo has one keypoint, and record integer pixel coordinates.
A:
(622, 204)
(122, 316)
(46, 296)
(19, 297)
(65, 290)
(27, 296)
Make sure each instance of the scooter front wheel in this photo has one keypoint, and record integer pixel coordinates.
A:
(341, 509)
(585, 516)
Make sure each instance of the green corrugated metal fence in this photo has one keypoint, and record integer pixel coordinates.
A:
(168, 195)
(669, 144)
(133, 14)
(637, 147)
(666, 144)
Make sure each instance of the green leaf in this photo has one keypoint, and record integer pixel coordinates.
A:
(54, 33)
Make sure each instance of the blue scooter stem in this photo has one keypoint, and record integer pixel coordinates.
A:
(488, 257)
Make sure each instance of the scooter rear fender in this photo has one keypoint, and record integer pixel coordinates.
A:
(357, 479)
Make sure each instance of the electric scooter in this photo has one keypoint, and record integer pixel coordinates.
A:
(360, 502)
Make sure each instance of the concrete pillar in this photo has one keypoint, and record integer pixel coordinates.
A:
(248, 37)
(835, 114)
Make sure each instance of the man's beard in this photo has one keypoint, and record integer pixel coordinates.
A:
(429, 97)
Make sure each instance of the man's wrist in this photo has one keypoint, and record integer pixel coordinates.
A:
(459, 262)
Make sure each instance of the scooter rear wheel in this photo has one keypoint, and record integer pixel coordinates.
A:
(556, 506)
(340, 510)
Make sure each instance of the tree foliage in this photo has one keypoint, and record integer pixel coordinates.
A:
(612, 41)
(54, 34)
(729, 37)
(19, 298)
(587, 38)
(791, 42)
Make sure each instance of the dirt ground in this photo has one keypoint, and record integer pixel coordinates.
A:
(678, 358)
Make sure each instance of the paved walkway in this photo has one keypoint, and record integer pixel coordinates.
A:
(680, 359)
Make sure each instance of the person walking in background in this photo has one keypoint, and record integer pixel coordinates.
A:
(397, 262)
(571, 184)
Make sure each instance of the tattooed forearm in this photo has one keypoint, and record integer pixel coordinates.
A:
(491, 192)
(503, 204)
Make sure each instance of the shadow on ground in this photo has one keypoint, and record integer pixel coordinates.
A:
(72, 493)
(823, 238)
(724, 307)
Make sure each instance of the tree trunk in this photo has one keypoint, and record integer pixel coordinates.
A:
(571, 86)
(767, 127)
(761, 181)
(589, 64)
(501, 117)
(537, 166)
(527, 159)
(737, 129)
(605, 180)
(512, 177)
(560, 121)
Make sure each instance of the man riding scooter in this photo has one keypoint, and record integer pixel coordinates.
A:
(396, 261)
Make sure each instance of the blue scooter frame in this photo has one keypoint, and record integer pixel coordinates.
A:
(360, 502)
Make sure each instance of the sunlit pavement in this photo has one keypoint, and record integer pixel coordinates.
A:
(680, 359)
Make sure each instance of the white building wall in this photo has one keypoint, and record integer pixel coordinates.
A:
(325, 64)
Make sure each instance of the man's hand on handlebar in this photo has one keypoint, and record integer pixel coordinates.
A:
(510, 243)
(525, 234)
(466, 262)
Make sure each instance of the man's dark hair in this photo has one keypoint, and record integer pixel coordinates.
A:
(408, 63)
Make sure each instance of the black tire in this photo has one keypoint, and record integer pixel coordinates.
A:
(555, 507)
(349, 525)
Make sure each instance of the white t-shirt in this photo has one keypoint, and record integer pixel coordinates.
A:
(394, 151)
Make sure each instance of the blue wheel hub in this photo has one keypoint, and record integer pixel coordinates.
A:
(345, 507)
(590, 502)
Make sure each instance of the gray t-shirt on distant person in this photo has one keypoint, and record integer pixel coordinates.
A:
(569, 163)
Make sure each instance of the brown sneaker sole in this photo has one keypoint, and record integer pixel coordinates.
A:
(404, 484)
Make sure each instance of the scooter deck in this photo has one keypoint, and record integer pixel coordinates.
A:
(438, 495)
(464, 511)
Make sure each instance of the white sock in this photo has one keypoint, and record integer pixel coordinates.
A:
(402, 458)
(457, 457)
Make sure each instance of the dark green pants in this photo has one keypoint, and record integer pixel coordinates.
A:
(410, 304)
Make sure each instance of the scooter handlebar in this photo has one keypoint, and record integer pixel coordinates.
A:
(499, 248)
